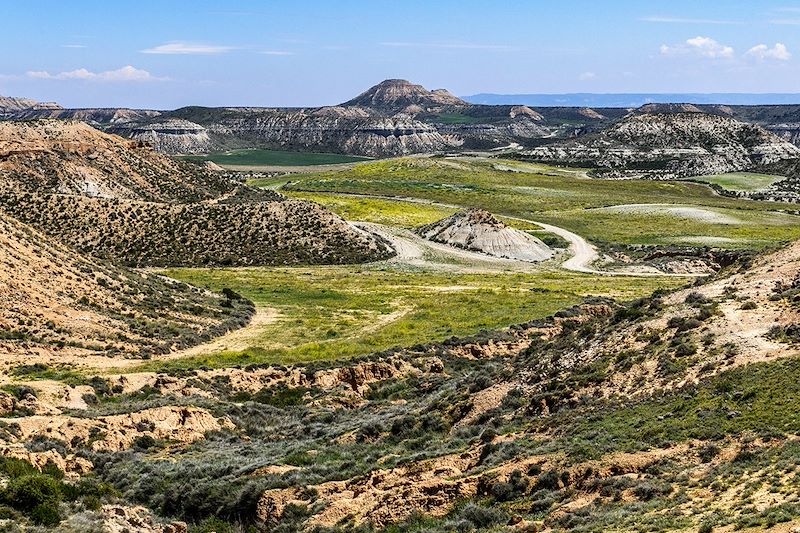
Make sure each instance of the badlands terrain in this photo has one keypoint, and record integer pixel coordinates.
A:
(511, 319)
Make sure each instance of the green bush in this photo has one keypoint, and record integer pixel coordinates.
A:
(46, 514)
(27, 492)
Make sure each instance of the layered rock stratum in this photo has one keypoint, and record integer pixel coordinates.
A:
(670, 145)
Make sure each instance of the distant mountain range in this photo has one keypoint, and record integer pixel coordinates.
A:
(397, 117)
(632, 99)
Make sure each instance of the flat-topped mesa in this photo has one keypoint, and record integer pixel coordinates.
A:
(480, 231)
(399, 94)
(10, 104)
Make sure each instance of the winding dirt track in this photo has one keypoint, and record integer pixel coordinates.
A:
(582, 253)
(415, 251)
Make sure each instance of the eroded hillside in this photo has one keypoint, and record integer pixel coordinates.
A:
(59, 305)
(670, 145)
(673, 412)
(117, 199)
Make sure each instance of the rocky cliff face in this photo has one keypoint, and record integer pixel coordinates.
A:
(350, 130)
(673, 144)
(171, 136)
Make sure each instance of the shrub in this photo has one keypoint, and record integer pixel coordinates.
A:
(708, 452)
(27, 492)
(646, 491)
(695, 298)
(144, 442)
(482, 517)
(281, 396)
(549, 480)
(213, 524)
(685, 349)
(46, 514)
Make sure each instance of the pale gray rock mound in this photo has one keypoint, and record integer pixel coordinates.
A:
(478, 230)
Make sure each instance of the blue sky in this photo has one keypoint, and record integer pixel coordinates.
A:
(170, 53)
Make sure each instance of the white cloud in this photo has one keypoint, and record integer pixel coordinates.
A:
(73, 46)
(680, 20)
(276, 53)
(586, 76)
(762, 52)
(699, 46)
(123, 74)
(184, 48)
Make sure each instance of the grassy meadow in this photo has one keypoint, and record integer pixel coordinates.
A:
(740, 181)
(327, 313)
(566, 198)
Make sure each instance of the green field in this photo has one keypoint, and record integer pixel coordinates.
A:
(278, 158)
(456, 118)
(329, 313)
(391, 212)
(740, 181)
(567, 198)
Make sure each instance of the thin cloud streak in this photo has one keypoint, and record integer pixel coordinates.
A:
(185, 48)
(785, 22)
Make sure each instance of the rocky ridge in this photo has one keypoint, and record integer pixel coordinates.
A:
(392, 118)
(671, 145)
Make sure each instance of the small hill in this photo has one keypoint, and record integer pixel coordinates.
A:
(233, 231)
(399, 94)
(56, 301)
(478, 230)
(70, 157)
(118, 199)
